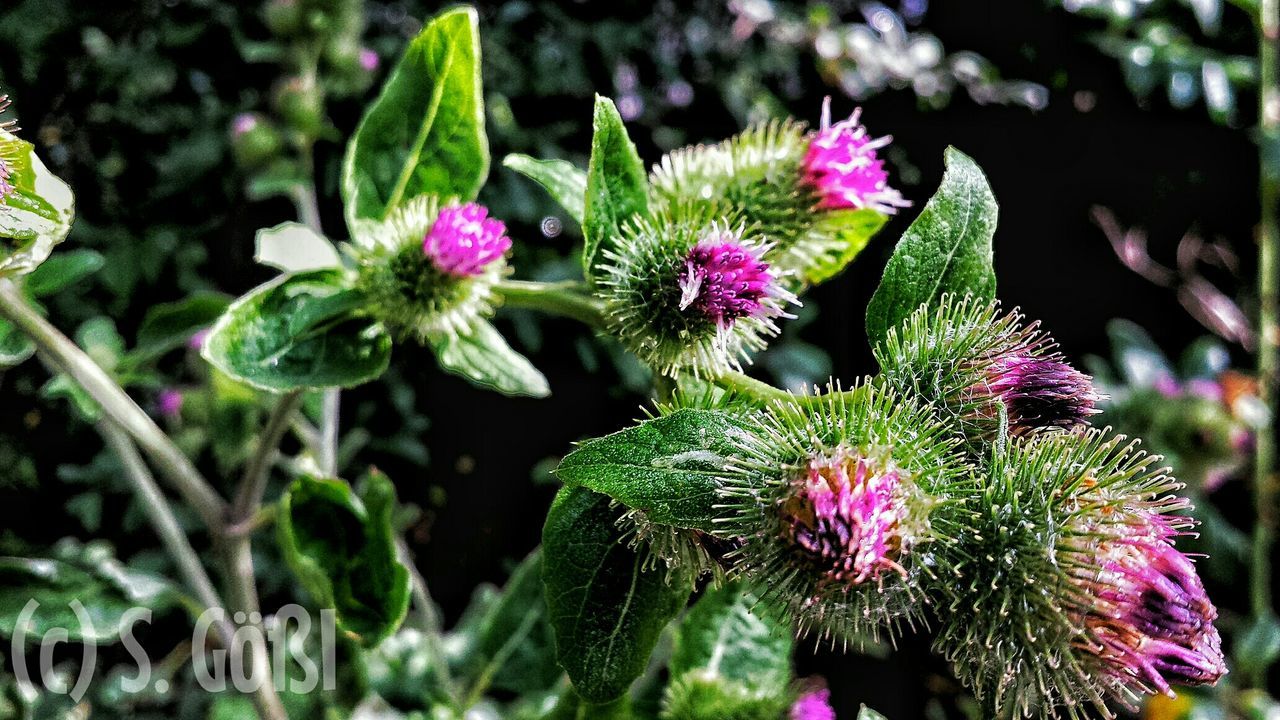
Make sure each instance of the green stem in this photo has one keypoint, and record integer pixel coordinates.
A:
(1265, 479)
(330, 414)
(758, 390)
(58, 350)
(156, 506)
(237, 553)
(569, 299)
(253, 484)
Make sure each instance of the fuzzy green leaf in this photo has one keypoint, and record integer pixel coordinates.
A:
(293, 247)
(425, 132)
(168, 326)
(565, 183)
(107, 591)
(617, 187)
(946, 250)
(854, 229)
(669, 467)
(484, 357)
(15, 346)
(36, 214)
(341, 546)
(606, 609)
(63, 270)
(299, 332)
(727, 635)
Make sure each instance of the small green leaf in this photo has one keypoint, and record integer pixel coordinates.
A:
(946, 250)
(1258, 646)
(510, 645)
(15, 346)
(107, 591)
(171, 325)
(299, 332)
(669, 467)
(606, 609)
(425, 132)
(341, 546)
(727, 635)
(617, 187)
(566, 184)
(36, 215)
(62, 271)
(293, 247)
(867, 713)
(484, 357)
(854, 229)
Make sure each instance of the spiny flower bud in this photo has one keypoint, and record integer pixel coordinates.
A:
(1066, 591)
(1038, 392)
(969, 362)
(833, 504)
(691, 296)
(430, 270)
(842, 167)
(1150, 620)
(464, 240)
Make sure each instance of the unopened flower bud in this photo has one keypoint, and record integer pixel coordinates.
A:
(254, 140)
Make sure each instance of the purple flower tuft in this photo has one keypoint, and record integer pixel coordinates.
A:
(6, 187)
(169, 403)
(243, 123)
(844, 516)
(1039, 392)
(841, 165)
(813, 705)
(464, 240)
(198, 339)
(725, 281)
(1150, 618)
(368, 59)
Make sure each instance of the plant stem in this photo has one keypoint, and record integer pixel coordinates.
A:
(156, 506)
(70, 359)
(431, 624)
(329, 426)
(1265, 480)
(566, 298)
(237, 554)
(761, 391)
(257, 471)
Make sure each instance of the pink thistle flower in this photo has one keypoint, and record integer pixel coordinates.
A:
(6, 170)
(1039, 392)
(198, 339)
(1148, 617)
(842, 167)
(368, 59)
(6, 187)
(169, 403)
(243, 123)
(813, 705)
(844, 516)
(464, 240)
(726, 281)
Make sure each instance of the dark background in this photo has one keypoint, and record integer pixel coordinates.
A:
(1165, 169)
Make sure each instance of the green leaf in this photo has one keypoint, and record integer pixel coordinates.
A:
(617, 187)
(725, 634)
(606, 609)
(293, 247)
(171, 325)
(484, 357)
(341, 546)
(511, 646)
(107, 591)
(866, 713)
(946, 250)
(62, 271)
(36, 215)
(299, 332)
(15, 346)
(669, 467)
(566, 183)
(854, 229)
(425, 132)
(1258, 646)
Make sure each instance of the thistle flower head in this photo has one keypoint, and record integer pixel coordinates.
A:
(1038, 392)
(758, 178)
(430, 270)
(691, 296)
(966, 359)
(464, 240)
(833, 504)
(1067, 592)
(813, 705)
(842, 167)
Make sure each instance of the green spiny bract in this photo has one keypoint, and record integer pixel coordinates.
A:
(834, 503)
(1030, 621)
(651, 289)
(757, 178)
(407, 291)
(966, 359)
(701, 695)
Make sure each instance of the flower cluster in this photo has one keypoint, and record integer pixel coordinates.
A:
(430, 270)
